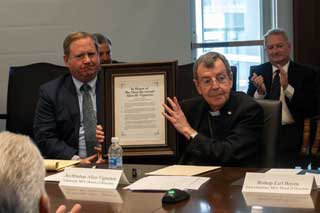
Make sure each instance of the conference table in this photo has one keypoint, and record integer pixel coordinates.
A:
(222, 193)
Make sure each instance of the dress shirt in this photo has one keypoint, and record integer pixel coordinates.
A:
(286, 114)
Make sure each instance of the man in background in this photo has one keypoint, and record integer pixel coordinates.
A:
(293, 84)
(70, 107)
(105, 46)
(220, 127)
(22, 177)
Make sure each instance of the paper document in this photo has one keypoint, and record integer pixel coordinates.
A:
(55, 177)
(58, 165)
(164, 183)
(183, 170)
(284, 171)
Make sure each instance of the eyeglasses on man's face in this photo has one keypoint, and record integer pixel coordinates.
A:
(220, 79)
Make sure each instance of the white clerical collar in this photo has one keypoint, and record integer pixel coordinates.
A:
(216, 113)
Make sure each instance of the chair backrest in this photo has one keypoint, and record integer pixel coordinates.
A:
(23, 89)
(185, 87)
(271, 131)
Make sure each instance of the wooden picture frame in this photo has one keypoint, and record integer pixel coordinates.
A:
(133, 95)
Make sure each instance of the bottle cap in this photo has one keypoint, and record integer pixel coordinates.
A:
(114, 139)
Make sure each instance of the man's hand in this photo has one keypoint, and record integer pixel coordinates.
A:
(258, 82)
(283, 77)
(99, 153)
(89, 160)
(100, 134)
(75, 209)
(177, 118)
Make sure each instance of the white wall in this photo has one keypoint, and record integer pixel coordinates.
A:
(141, 30)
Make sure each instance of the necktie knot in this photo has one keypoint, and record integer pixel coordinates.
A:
(85, 88)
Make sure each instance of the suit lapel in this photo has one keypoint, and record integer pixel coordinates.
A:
(72, 101)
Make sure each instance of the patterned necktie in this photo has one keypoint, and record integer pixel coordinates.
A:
(275, 87)
(89, 120)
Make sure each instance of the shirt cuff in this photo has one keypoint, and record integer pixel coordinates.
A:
(193, 135)
(289, 92)
(258, 96)
(75, 157)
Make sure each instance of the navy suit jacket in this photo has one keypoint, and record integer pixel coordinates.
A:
(302, 79)
(57, 117)
(235, 137)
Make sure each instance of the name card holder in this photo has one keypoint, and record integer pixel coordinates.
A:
(278, 183)
(91, 178)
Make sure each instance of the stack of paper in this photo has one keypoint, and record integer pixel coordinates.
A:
(183, 170)
(58, 165)
(164, 183)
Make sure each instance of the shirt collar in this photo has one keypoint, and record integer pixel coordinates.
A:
(91, 83)
(216, 113)
(285, 67)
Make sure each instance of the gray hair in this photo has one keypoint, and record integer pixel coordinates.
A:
(102, 39)
(208, 60)
(275, 31)
(22, 169)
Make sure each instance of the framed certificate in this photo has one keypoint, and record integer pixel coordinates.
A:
(133, 99)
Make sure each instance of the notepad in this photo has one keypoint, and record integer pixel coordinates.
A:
(183, 170)
(58, 165)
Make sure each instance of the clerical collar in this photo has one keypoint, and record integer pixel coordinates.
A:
(216, 113)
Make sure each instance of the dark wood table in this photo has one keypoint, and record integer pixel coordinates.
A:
(222, 193)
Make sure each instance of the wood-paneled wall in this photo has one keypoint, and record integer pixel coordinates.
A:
(306, 27)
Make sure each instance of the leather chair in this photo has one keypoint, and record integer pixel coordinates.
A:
(271, 132)
(22, 97)
(185, 87)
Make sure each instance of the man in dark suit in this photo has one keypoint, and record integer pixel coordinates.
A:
(59, 119)
(219, 127)
(296, 90)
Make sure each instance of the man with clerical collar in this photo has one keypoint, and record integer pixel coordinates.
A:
(219, 127)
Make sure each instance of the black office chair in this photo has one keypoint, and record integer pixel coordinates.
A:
(271, 132)
(185, 87)
(23, 89)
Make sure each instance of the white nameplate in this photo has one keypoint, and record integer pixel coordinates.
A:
(91, 194)
(91, 178)
(278, 183)
(278, 200)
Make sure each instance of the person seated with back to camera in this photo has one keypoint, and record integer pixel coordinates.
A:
(220, 127)
(22, 177)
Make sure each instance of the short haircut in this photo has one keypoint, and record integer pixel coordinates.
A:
(102, 39)
(208, 60)
(22, 169)
(275, 31)
(74, 37)
(9, 200)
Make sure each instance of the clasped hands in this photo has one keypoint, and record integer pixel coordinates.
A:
(96, 158)
(175, 115)
(258, 80)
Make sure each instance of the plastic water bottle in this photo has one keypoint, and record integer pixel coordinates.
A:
(115, 154)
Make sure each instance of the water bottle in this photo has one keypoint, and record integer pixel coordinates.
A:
(115, 154)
